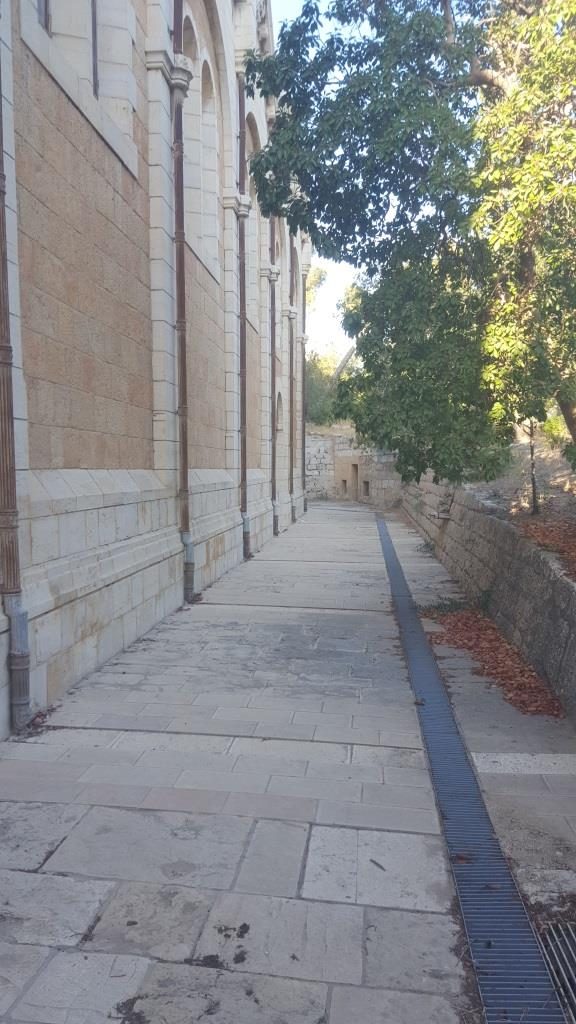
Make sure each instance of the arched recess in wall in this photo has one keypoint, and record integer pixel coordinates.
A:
(279, 414)
(253, 230)
(295, 269)
(281, 293)
(192, 151)
(206, 121)
(210, 164)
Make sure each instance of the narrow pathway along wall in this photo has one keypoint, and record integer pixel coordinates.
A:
(522, 587)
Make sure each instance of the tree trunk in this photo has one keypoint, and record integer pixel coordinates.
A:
(535, 501)
(568, 409)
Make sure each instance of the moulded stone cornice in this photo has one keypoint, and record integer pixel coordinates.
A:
(271, 273)
(160, 60)
(177, 72)
(237, 202)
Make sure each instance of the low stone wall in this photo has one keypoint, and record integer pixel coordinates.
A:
(523, 588)
(336, 469)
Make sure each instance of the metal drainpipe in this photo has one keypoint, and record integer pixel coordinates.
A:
(10, 578)
(304, 395)
(273, 471)
(178, 35)
(180, 260)
(242, 288)
(291, 371)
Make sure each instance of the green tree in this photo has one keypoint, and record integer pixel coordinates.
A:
(422, 390)
(320, 388)
(315, 279)
(419, 140)
(527, 181)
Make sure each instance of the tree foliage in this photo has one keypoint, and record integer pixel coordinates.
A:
(320, 388)
(315, 278)
(422, 390)
(434, 146)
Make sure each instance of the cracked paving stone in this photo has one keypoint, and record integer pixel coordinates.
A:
(29, 832)
(291, 938)
(185, 849)
(80, 988)
(181, 995)
(413, 951)
(18, 965)
(158, 921)
(49, 910)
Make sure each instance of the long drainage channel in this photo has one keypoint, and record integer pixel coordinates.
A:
(514, 983)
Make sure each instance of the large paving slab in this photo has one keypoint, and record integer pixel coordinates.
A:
(162, 922)
(289, 938)
(154, 846)
(381, 869)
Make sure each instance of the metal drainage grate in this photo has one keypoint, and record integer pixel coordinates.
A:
(559, 945)
(513, 977)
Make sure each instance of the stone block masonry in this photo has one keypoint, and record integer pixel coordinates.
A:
(522, 587)
(336, 468)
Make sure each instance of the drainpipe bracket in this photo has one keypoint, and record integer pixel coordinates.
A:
(181, 76)
(240, 204)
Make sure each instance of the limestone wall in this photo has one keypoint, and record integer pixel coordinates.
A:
(523, 588)
(84, 255)
(206, 367)
(336, 469)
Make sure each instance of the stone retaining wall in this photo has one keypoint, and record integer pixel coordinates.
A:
(521, 587)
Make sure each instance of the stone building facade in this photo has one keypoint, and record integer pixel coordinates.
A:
(151, 398)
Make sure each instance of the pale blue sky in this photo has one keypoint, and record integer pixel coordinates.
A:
(284, 10)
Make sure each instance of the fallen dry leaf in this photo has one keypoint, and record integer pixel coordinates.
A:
(554, 530)
(498, 659)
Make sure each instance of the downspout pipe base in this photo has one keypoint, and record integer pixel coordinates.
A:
(246, 537)
(189, 569)
(18, 662)
(275, 520)
(294, 516)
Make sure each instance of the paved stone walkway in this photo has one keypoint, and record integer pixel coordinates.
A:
(233, 820)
